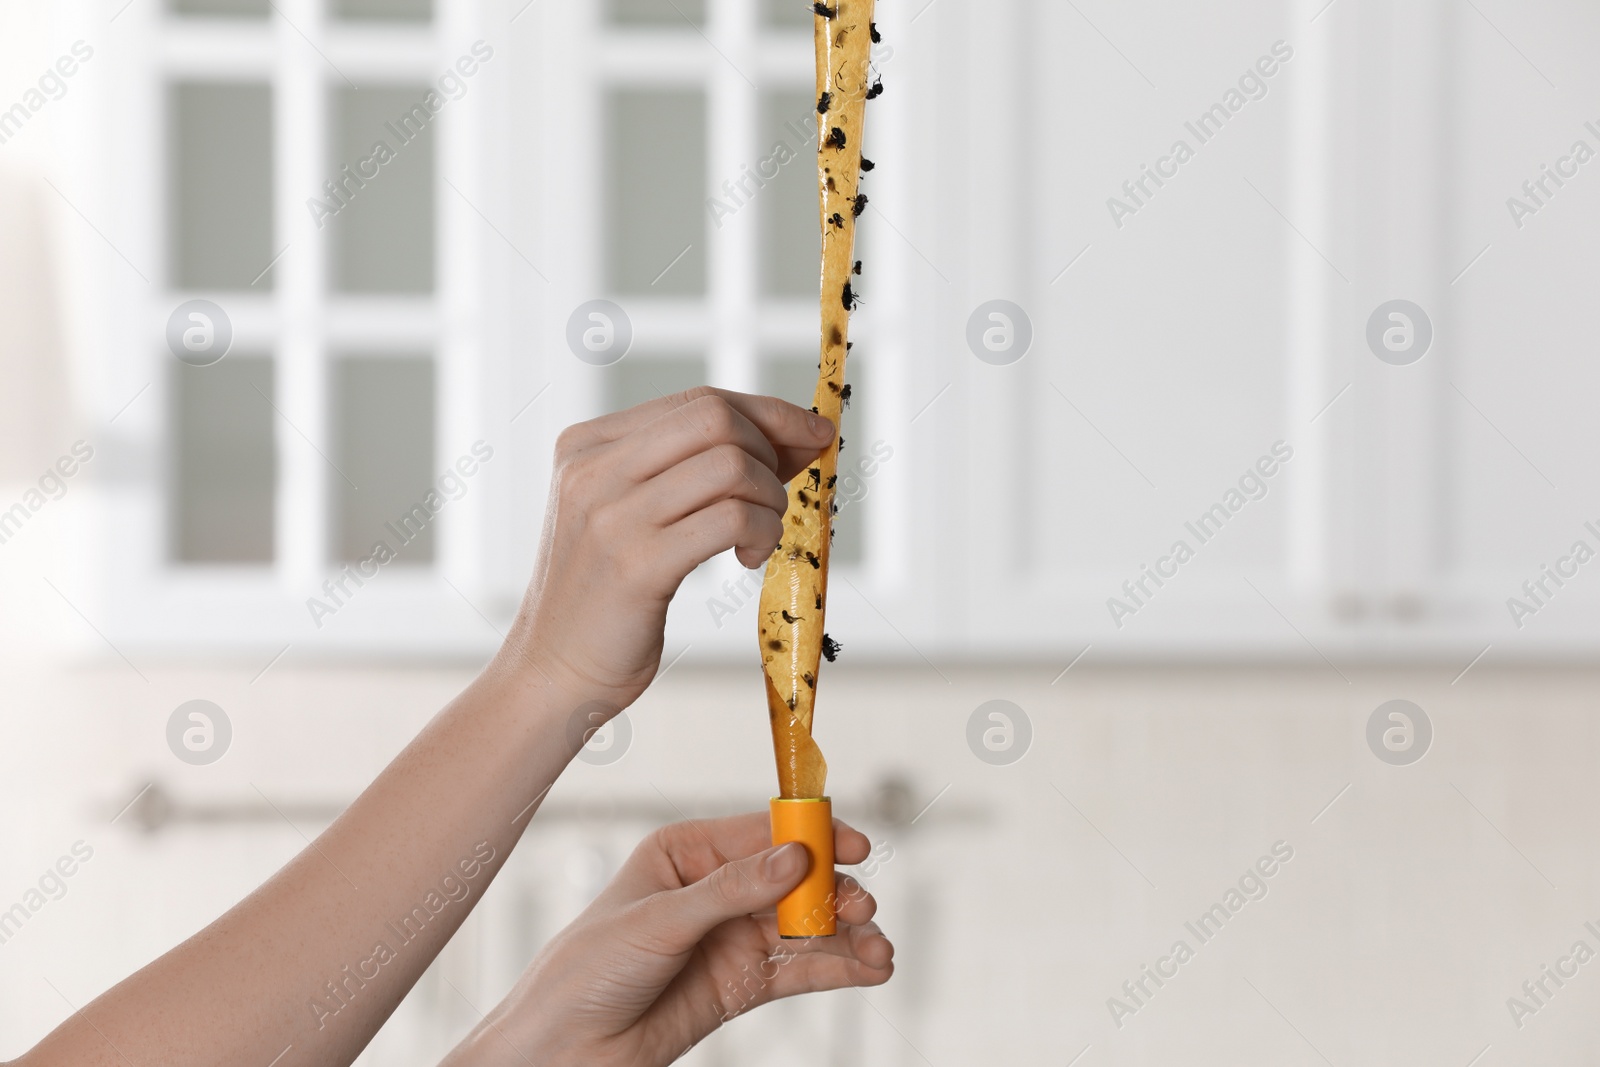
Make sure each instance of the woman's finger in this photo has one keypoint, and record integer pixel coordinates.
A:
(675, 920)
(863, 958)
(717, 473)
(819, 974)
(679, 433)
(752, 531)
(850, 846)
(682, 853)
(790, 429)
(854, 904)
(852, 941)
(797, 434)
(856, 956)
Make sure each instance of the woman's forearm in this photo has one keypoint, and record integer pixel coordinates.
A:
(315, 960)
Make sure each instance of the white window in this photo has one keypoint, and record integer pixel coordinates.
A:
(318, 174)
(397, 211)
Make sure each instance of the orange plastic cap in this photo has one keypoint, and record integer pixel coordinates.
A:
(808, 910)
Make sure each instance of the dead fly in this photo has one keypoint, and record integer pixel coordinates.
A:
(811, 679)
(867, 164)
(877, 38)
(832, 478)
(836, 139)
(825, 101)
(837, 219)
(790, 619)
(814, 479)
(876, 90)
(830, 648)
(845, 396)
(825, 11)
(854, 270)
(819, 601)
(857, 206)
(848, 297)
(816, 563)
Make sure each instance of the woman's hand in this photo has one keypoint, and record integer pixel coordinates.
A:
(682, 940)
(638, 500)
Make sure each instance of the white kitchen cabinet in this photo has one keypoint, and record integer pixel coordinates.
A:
(1338, 157)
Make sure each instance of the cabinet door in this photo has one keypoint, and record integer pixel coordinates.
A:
(1128, 483)
(296, 357)
(1517, 493)
(1308, 356)
(1447, 516)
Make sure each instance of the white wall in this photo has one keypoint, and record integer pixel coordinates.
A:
(1026, 895)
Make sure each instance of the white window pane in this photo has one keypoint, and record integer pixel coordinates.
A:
(655, 195)
(224, 469)
(791, 235)
(793, 377)
(390, 10)
(382, 165)
(248, 8)
(668, 13)
(383, 414)
(784, 14)
(640, 378)
(220, 171)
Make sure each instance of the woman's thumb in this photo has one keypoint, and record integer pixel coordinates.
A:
(753, 884)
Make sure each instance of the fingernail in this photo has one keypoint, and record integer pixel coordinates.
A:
(784, 861)
(821, 426)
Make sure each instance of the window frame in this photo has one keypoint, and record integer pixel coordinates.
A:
(155, 604)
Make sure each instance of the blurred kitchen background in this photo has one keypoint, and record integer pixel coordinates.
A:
(1078, 346)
